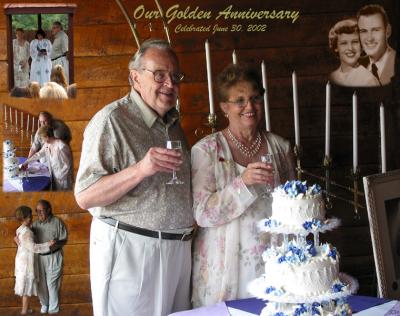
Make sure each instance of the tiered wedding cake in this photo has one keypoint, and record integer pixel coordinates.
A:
(301, 276)
(10, 161)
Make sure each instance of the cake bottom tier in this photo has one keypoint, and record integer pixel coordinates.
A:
(328, 308)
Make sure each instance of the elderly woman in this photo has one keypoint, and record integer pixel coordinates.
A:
(58, 158)
(26, 273)
(21, 59)
(40, 50)
(228, 181)
(344, 41)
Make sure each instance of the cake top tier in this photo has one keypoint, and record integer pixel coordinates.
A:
(8, 146)
(298, 190)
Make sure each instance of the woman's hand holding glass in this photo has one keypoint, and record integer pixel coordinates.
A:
(267, 159)
(257, 173)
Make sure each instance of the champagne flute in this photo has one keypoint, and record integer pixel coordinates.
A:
(267, 159)
(176, 145)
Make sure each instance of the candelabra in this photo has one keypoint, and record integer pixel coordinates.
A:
(327, 167)
(297, 154)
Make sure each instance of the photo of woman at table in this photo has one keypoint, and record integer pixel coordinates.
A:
(229, 181)
(26, 269)
(58, 159)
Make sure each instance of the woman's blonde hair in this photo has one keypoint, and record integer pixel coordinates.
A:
(52, 90)
(346, 26)
(58, 76)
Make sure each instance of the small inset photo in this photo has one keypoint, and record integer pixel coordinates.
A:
(36, 152)
(40, 48)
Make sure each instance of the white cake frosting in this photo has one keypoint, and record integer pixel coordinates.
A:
(10, 161)
(331, 308)
(294, 211)
(302, 270)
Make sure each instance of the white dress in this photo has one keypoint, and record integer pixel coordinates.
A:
(21, 72)
(357, 77)
(26, 276)
(41, 64)
(59, 161)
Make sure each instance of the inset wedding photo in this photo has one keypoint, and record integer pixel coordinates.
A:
(40, 48)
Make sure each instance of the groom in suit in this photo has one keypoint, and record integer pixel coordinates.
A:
(375, 31)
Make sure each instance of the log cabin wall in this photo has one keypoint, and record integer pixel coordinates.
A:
(103, 44)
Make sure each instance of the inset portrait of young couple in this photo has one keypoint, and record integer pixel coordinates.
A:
(362, 45)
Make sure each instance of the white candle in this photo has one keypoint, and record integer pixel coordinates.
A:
(328, 120)
(209, 77)
(33, 123)
(266, 103)
(22, 120)
(10, 116)
(355, 140)
(383, 138)
(296, 110)
(234, 58)
(31, 139)
(16, 118)
(5, 114)
(38, 123)
(27, 123)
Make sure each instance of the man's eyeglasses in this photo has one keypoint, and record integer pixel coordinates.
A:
(161, 76)
(242, 102)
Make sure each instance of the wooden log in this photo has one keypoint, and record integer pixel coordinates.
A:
(74, 289)
(78, 227)
(76, 260)
(62, 202)
(82, 309)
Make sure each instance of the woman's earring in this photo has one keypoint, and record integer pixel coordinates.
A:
(226, 115)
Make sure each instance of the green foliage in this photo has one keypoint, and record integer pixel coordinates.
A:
(30, 21)
(25, 21)
(49, 19)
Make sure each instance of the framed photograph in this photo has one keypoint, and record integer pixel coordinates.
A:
(382, 192)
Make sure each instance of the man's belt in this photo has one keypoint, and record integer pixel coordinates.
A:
(146, 232)
(50, 252)
(63, 55)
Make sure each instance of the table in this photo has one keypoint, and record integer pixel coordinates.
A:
(38, 179)
(253, 306)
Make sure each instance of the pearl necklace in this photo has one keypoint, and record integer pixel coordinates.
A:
(244, 150)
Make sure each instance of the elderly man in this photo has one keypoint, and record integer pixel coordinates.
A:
(140, 240)
(59, 52)
(49, 227)
(61, 131)
(375, 31)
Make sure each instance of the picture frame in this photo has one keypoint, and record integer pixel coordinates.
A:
(382, 192)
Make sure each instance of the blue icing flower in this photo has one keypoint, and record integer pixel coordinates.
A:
(301, 309)
(269, 289)
(316, 223)
(271, 223)
(311, 250)
(307, 225)
(315, 189)
(315, 309)
(279, 314)
(337, 287)
(332, 253)
(282, 259)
